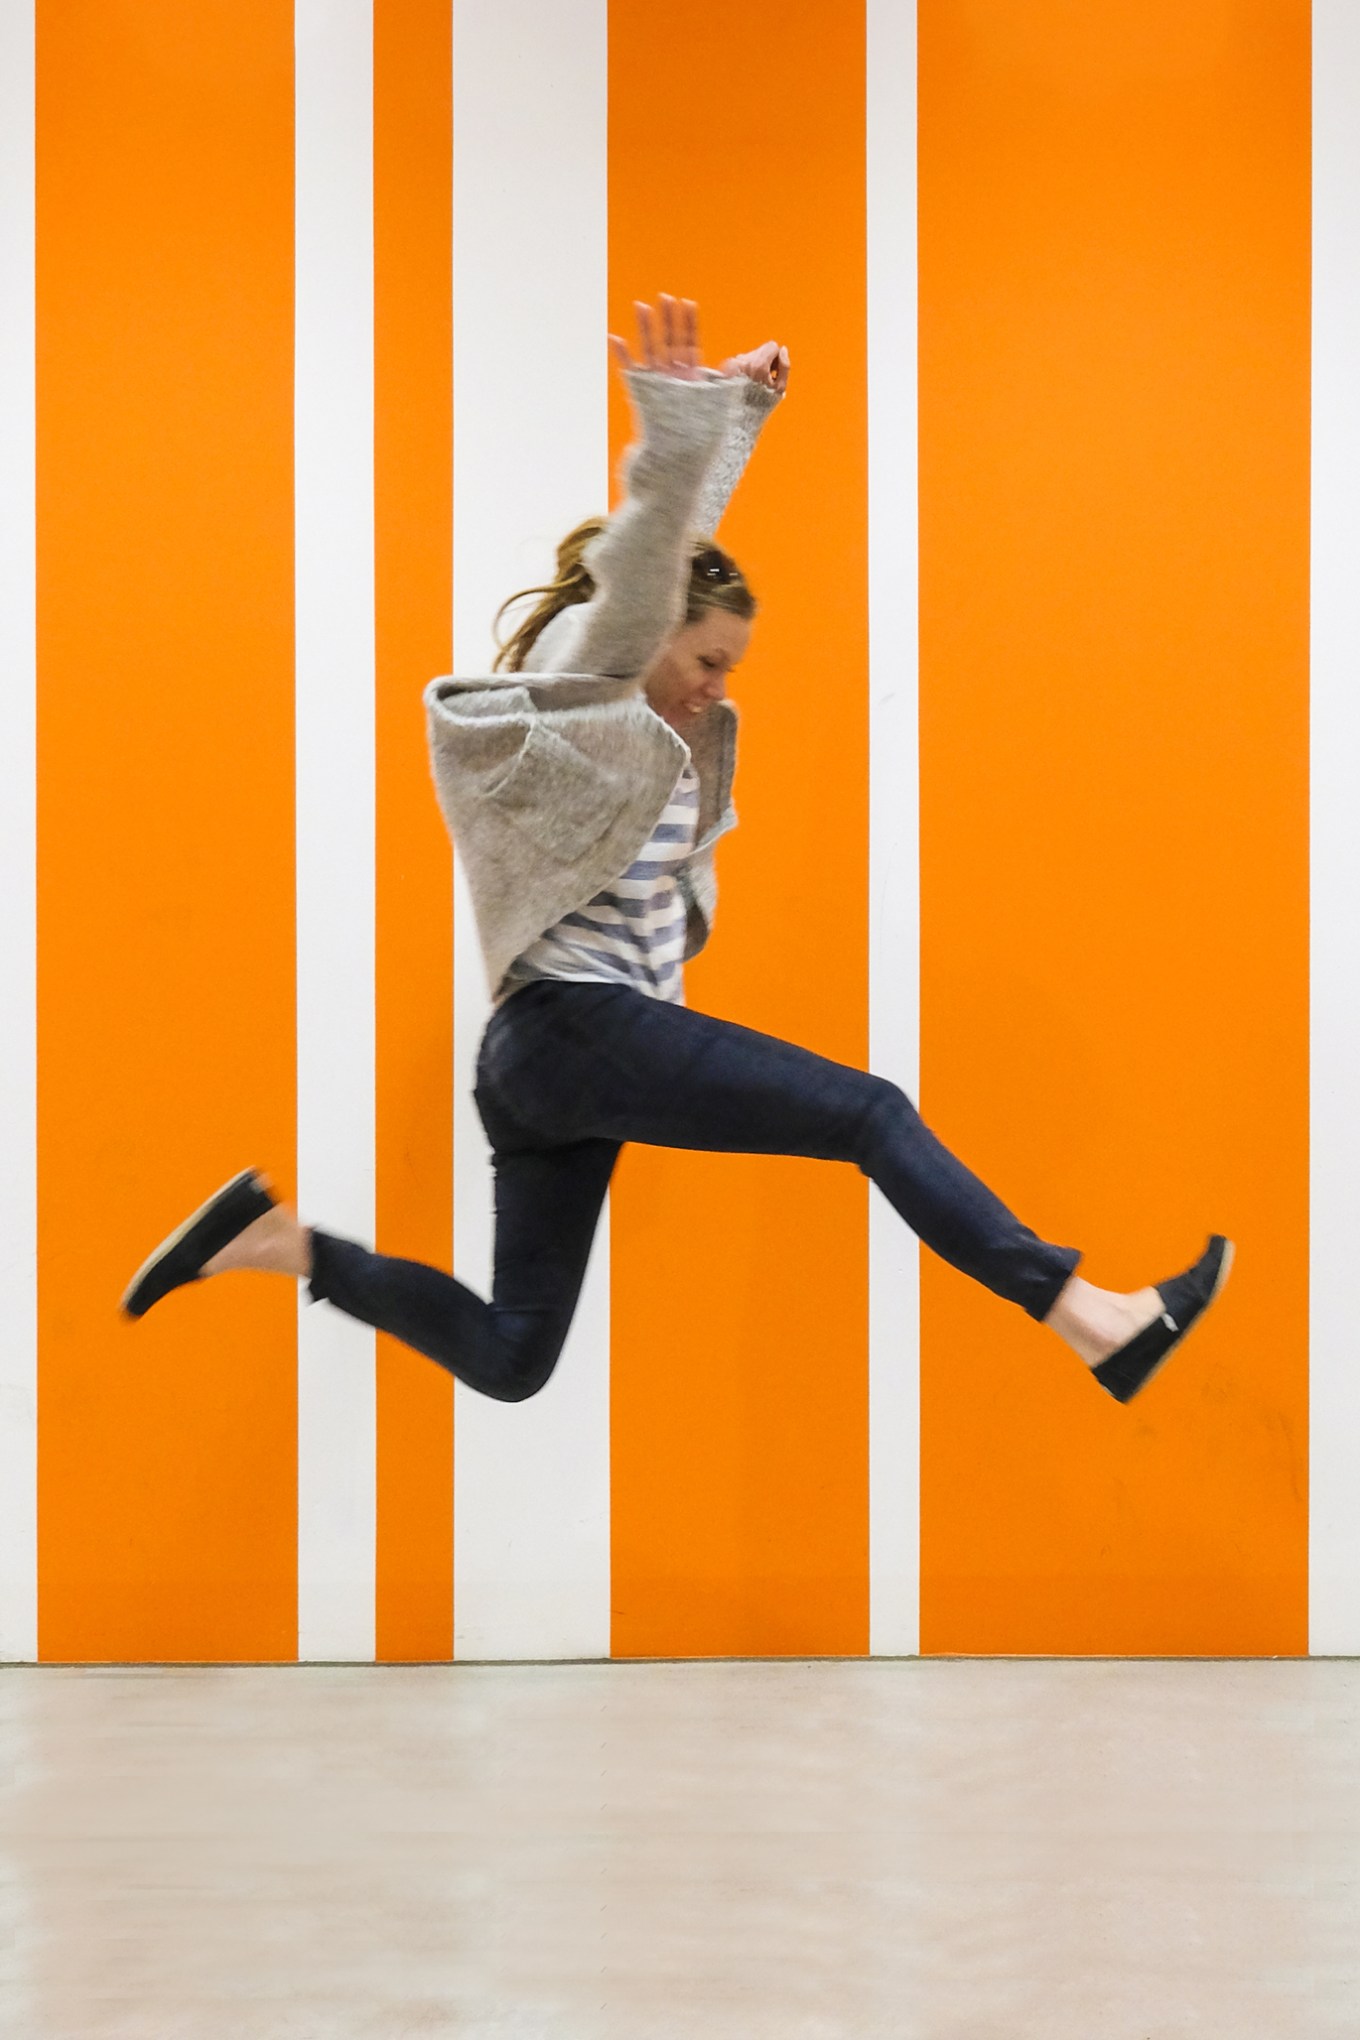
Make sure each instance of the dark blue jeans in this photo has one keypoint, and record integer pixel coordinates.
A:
(566, 1074)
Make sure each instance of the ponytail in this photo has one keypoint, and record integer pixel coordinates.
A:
(710, 587)
(574, 583)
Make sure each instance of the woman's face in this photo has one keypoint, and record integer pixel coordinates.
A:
(690, 671)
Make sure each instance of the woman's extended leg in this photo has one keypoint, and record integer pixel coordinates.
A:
(608, 1060)
(547, 1207)
(568, 1072)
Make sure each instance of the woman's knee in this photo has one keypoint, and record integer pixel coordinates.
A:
(888, 1114)
(528, 1345)
(521, 1380)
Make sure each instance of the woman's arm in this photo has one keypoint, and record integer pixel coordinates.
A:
(696, 429)
(640, 561)
(729, 464)
(762, 375)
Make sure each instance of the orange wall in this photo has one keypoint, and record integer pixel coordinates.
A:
(1114, 357)
(1114, 415)
(413, 509)
(739, 1434)
(167, 1453)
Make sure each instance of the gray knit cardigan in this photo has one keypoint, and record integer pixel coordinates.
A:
(552, 779)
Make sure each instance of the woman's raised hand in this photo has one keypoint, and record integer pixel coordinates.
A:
(767, 365)
(669, 344)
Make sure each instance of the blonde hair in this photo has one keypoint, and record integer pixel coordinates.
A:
(716, 582)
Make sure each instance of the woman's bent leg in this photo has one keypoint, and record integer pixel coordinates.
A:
(547, 1207)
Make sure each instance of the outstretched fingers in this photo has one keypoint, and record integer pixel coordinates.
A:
(668, 339)
(680, 331)
(668, 343)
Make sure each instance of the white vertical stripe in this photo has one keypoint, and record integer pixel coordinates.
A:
(530, 182)
(18, 818)
(1334, 1490)
(335, 806)
(894, 864)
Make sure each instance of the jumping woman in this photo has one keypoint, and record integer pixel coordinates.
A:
(586, 781)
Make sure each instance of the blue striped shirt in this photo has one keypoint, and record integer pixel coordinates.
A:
(633, 933)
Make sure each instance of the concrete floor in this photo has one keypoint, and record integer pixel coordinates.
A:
(923, 1851)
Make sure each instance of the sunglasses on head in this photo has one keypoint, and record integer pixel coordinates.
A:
(712, 564)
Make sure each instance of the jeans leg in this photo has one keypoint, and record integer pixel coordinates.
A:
(953, 1212)
(611, 1062)
(547, 1207)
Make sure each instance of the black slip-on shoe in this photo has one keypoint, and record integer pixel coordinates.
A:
(1185, 1298)
(179, 1259)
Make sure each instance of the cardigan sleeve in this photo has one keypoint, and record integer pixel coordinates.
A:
(728, 465)
(640, 561)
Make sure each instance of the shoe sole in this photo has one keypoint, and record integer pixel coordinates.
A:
(172, 1240)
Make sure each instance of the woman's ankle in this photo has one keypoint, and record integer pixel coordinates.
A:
(273, 1244)
(1095, 1323)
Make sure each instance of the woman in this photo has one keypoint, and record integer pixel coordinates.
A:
(586, 781)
